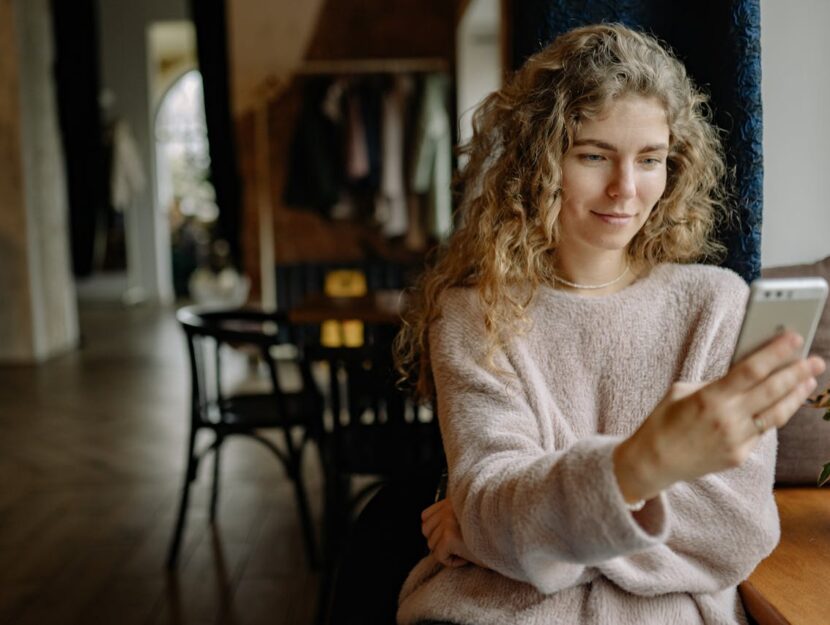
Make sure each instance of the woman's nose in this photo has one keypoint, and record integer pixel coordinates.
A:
(623, 185)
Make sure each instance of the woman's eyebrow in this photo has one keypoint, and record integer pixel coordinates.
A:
(604, 145)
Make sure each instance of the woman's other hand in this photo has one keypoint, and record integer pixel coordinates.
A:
(439, 526)
(697, 430)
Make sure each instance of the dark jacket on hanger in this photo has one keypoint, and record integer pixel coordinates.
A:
(315, 170)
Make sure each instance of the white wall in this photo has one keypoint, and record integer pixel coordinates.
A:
(38, 314)
(172, 51)
(795, 51)
(478, 61)
(54, 310)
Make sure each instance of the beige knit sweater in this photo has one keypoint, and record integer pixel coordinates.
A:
(530, 464)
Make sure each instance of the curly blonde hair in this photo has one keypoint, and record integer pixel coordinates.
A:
(507, 231)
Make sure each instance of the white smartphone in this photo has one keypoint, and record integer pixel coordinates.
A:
(779, 304)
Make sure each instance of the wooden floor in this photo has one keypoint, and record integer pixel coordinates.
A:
(91, 460)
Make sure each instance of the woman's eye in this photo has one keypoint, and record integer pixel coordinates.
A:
(652, 161)
(592, 158)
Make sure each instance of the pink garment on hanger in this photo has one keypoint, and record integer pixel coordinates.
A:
(357, 151)
(390, 204)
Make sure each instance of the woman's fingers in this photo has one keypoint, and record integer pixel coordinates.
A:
(450, 550)
(433, 509)
(780, 413)
(780, 384)
(441, 545)
(440, 527)
(761, 389)
(434, 538)
(430, 524)
(679, 390)
(716, 427)
(436, 514)
(756, 367)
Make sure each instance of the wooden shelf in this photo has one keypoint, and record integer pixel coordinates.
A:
(373, 66)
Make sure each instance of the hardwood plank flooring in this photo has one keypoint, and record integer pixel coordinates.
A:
(91, 462)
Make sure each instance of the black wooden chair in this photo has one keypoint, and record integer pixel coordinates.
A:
(297, 414)
(377, 432)
(384, 545)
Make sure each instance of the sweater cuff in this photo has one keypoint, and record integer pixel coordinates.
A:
(652, 518)
(586, 521)
(600, 506)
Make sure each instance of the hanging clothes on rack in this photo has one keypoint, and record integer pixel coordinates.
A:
(362, 150)
(315, 169)
(432, 167)
(391, 210)
(334, 107)
(357, 148)
(376, 148)
(370, 90)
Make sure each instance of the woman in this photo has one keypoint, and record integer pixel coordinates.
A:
(606, 465)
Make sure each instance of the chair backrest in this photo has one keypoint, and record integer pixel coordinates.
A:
(243, 333)
(379, 430)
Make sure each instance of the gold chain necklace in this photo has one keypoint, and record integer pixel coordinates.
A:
(593, 286)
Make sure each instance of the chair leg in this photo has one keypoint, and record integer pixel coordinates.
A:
(305, 518)
(342, 510)
(214, 494)
(322, 614)
(189, 477)
(335, 486)
(336, 489)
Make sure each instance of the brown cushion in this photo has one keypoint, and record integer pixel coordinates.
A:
(804, 443)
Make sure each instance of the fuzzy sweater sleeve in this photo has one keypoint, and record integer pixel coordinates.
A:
(725, 523)
(536, 515)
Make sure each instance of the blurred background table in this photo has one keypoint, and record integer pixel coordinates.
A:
(376, 307)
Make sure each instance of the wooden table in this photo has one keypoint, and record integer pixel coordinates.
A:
(792, 586)
(377, 307)
(380, 308)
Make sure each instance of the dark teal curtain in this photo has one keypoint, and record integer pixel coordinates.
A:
(719, 41)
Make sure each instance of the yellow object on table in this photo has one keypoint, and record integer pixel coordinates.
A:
(343, 283)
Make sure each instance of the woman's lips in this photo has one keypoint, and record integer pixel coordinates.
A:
(614, 219)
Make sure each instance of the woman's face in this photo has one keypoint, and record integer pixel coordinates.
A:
(613, 175)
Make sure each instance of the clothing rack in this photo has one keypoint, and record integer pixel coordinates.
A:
(269, 89)
(373, 66)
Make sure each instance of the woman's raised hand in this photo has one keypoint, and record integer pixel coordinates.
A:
(702, 429)
(440, 527)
